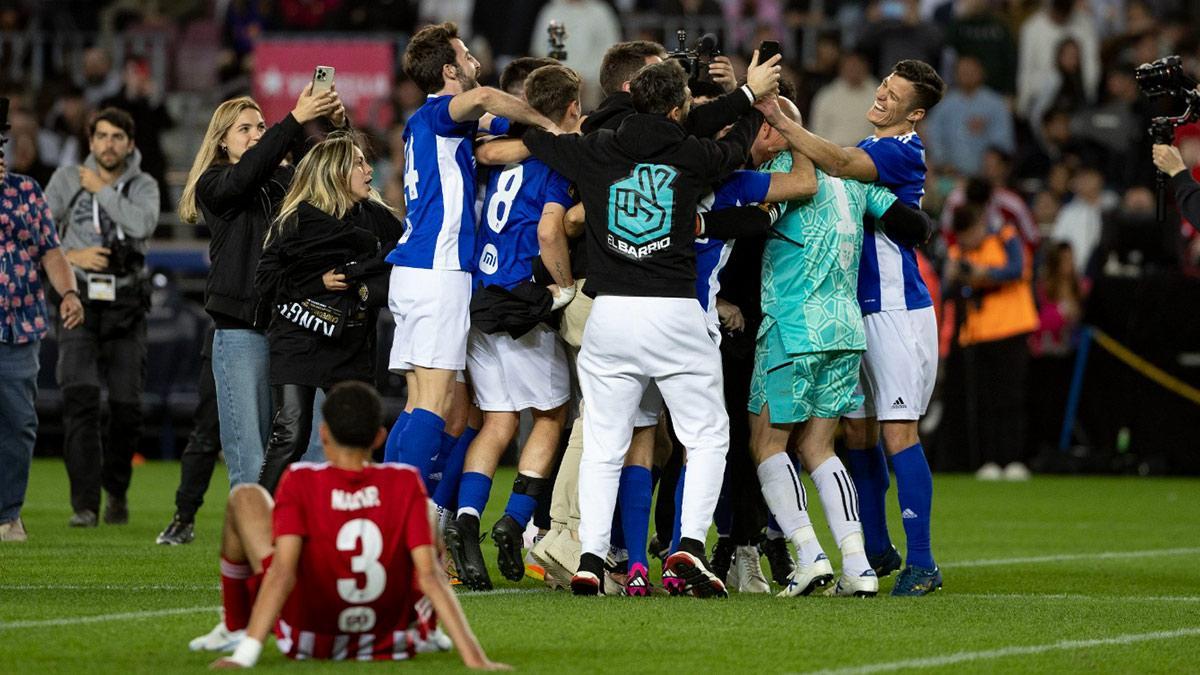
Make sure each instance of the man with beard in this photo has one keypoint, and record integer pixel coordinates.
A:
(431, 284)
(106, 210)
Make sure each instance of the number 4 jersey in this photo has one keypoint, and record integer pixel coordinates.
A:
(356, 595)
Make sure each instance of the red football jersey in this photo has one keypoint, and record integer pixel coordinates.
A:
(356, 594)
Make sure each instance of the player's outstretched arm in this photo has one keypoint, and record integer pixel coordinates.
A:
(473, 104)
(828, 156)
(501, 151)
(277, 585)
(436, 587)
(799, 183)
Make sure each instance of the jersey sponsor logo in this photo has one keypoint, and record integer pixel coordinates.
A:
(640, 210)
(489, 259)
(366, 498)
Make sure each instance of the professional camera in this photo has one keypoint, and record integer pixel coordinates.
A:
(695, 61)
(1165, 79)
(557, 35)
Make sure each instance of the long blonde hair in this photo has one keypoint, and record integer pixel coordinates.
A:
(211, 151)
(323, 180)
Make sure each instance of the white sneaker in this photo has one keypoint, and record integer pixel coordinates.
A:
(437, 641)
(865, 585)
(990, 471)
(807, 578)
(1017, 472)
(749, 572)
(444, 516)
(219, 639)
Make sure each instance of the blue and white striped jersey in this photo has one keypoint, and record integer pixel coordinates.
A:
(740, 189)
(439, 190)
(888, 277)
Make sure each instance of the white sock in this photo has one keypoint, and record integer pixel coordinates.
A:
(840, 501)
(787, 499)
(468, 511)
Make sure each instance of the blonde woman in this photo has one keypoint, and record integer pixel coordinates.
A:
(236, 184)
(324, 275)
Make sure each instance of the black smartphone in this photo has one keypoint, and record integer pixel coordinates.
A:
(767, 49)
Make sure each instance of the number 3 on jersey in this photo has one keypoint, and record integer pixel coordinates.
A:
(366, 563)
(410, 172)
(499, 207)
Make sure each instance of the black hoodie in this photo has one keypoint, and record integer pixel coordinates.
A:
(646, 178)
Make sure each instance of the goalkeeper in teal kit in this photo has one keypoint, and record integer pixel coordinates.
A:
(806, 364)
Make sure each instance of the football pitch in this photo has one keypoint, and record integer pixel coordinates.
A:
(1054, 575)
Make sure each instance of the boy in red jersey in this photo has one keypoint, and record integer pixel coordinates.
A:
(342, 565)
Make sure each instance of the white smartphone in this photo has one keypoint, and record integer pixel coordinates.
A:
(322, 79)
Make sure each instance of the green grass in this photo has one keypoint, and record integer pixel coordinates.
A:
(65, 575)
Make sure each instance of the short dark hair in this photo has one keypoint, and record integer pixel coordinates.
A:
(427, 52)
(705, 88)
(659, 87)
(114, 116)
(622, 61)
(928, 86)
(550, 90)
(966, 216)
(519, 69)
(353, 412)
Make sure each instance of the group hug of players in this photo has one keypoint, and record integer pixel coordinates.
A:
(535, 237)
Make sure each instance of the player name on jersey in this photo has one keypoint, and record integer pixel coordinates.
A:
(366, 498)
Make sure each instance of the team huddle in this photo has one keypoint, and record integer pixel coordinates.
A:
(704, 286)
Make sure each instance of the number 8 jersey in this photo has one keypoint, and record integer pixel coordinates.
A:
(356, 595)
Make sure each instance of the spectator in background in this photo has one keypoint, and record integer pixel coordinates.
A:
(1039, 42)
(26, 227)
(1045, 212)
(61, 138)
(895, 32)
(852, 90)
(107, 210)
(1002, 205)
(988, 279)
(1063, 88)
(1119, 126)
(592, 27)
(980, 31)
(22, 150)
(1060, 308)
(141, 99)
(1080, 221)
(970, 120)
(99, 79)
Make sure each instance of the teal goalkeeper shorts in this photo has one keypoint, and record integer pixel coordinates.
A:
(800, 386)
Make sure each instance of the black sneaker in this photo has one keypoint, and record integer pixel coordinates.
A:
(779, 558)
(688, 563)
(885, 563)
(462, 540)
(588, 580)
(84, 518)
(722, 558)
(177, 533)
(508, 535)
(116, 510)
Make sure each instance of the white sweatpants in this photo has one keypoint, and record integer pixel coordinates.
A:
(628, 343)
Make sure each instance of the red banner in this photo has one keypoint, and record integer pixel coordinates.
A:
(363, 75)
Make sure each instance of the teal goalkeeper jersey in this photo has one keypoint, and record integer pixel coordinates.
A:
(810, 264)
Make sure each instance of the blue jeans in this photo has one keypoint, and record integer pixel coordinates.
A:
(240, 361)
(18, 423)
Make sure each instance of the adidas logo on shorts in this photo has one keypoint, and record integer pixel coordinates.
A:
(898, 404)
(908, 514)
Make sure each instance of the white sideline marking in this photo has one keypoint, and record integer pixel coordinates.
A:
(1076, 596)
(502, 591)
(1107, 555)
(109, 587)
(966, 657)
(73, 621)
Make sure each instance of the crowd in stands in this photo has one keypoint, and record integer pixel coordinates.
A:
(1041, 137)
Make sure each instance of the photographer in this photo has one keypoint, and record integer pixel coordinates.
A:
(322, 270)
(106, 210)
(1187, 192)
(988, 280)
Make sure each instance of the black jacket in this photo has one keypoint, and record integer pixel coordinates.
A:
(1187, 195)
(308, 345)
(656, 174)
(238, 202)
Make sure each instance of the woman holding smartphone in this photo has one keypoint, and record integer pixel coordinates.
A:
(323, 272)
(236, 183)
